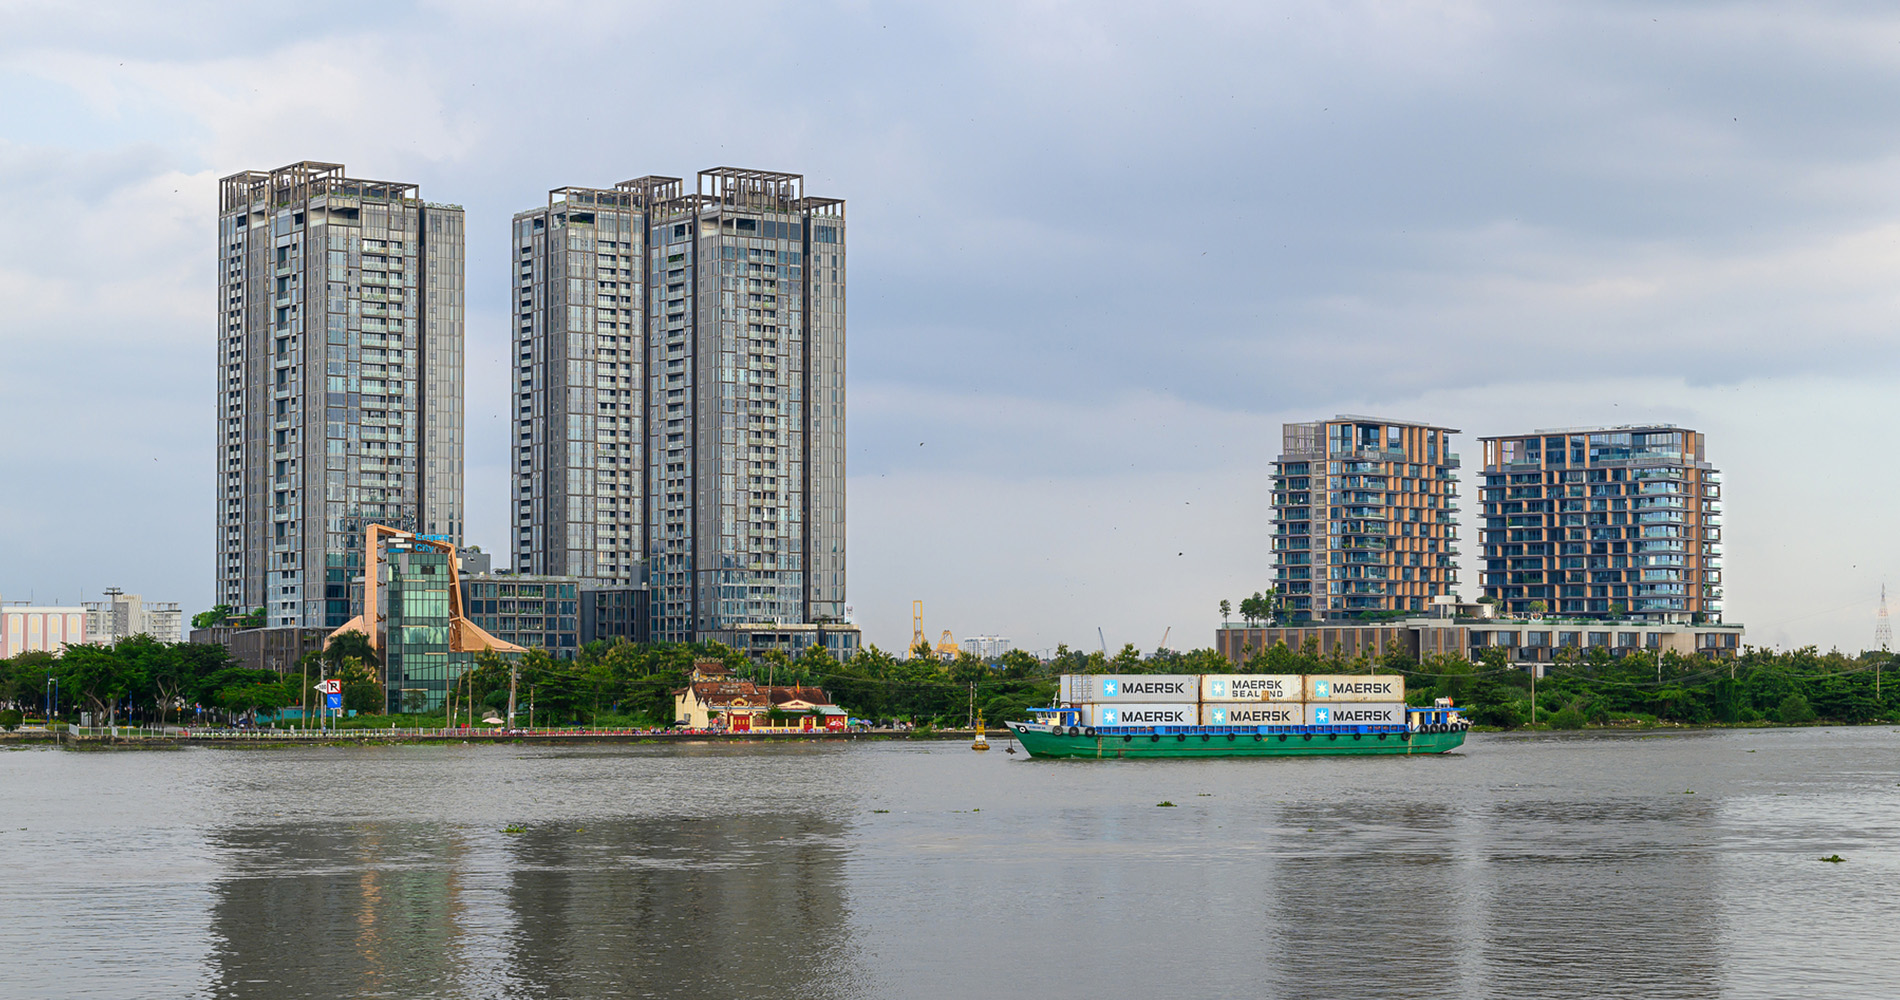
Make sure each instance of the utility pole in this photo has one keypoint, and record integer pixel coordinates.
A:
(514, 677)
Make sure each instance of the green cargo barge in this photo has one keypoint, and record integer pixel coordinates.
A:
(1427, 730)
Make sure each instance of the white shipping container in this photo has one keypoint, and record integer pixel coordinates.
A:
(1355, 687)
(1085, 689)
(1252, 687)
(1355, 713)
(1117, 714)
(1283, 713)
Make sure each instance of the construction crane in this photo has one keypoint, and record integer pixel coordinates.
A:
(1164, 637)
(916, 625)
(946, 647)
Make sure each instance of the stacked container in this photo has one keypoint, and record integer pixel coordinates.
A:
(1236, 699)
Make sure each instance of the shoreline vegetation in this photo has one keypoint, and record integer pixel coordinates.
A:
(626, 686)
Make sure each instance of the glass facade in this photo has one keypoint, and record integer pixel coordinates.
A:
(534, 612)
(416, 632)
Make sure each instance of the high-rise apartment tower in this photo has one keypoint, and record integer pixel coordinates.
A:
(1364, 517)
(680, 393)
(1604, 522)
(339, 382)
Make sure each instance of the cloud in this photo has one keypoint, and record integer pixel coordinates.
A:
(1099, 252)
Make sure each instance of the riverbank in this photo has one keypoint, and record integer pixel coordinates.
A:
(128, 737)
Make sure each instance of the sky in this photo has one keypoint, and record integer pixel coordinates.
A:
(1100, 252)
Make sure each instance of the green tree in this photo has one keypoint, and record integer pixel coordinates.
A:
(216, 616)
(1226, 609)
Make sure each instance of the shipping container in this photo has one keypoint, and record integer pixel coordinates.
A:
(1283, 713)
(1252, 687)
(1355, 687)
(1086, 689)
(1355, 713)
(1116, 714)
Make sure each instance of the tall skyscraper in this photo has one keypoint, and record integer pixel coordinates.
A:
(1604, 522)
(680, 395)
(339, 382)
(1364, 517)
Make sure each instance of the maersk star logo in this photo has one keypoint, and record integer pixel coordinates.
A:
(1109, 687)
(1109, 717)
(1220, 714)
(1322, 689)
(1322, 716)
(1220, 688)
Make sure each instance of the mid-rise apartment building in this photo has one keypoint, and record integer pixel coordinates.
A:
(340, 360)
(1608, 522)
(122, 615)
(1364, 517)
(679, 397)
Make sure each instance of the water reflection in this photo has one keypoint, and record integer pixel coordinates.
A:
(747, 905)
(1370, 899)
(1607, 897)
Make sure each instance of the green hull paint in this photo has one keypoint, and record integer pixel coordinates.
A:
(1042, 743)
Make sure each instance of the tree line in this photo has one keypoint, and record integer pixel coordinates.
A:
(142, 680)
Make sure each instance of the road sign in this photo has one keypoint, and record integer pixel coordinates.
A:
(330, 687)
(334, 701)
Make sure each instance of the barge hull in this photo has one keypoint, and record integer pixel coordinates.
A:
(1043, 743)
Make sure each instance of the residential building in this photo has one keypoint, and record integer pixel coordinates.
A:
(679, 397)
(26, 628)
(715, 698)
(610, 614)
(984, 647)
(1528, 642)
(122, 615)
(339, 381)
(531, 611)
(842, 640)
(1609, 522)
(279, 647)
(1364, 515)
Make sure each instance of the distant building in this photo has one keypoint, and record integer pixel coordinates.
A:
(122, 615)
(609, 614)
(1528, 641)
(26, 628)
(842, 640)
(1364, 517)
(984, 647)
(1606, 522)
(278, 648)
(716, 698)
(534, 612)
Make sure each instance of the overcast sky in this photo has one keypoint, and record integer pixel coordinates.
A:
(1099, 253)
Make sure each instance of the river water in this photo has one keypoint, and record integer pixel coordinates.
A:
(1595, 865)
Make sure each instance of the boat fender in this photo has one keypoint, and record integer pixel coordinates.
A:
(1075, 731)
(1089, 732)
(1180, 737)
(1230, 737)
(1154, 738)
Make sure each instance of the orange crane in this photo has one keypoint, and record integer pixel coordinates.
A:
(946, 647)
(916, 626)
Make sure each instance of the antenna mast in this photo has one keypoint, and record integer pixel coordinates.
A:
(1883, 629)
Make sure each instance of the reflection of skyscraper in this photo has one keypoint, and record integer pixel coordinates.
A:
(750, 905)
(680, 393)
(339, 381)
(737, 906)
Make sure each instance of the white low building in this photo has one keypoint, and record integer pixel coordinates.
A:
(122, 616)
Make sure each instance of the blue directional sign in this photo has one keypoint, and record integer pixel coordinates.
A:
(335, 701)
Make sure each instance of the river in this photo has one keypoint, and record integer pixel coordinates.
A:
(1657, 864)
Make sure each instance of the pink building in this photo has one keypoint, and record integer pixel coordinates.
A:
(24, 628)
